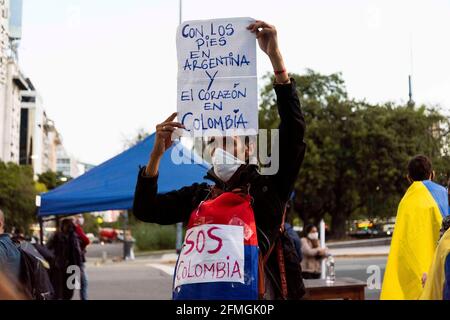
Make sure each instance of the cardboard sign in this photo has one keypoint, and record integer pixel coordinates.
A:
(211, 253)
(217, 81)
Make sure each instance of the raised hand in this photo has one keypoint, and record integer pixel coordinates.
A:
(268, 42)
(164, 131)
(267, 37)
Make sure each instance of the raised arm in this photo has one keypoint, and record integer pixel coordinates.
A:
(168, 208)
(309, 251)
(171, 207)
(292, 125)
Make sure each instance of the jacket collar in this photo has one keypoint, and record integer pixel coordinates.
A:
(243, 176)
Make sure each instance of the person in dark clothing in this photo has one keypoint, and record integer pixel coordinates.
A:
(9, 254)
(18, 235)
(293, 235)
(270, 193)
(84, 242)
(65, 246)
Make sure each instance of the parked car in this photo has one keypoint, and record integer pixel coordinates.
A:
(370, 229)
(388, 228)
(108, 235)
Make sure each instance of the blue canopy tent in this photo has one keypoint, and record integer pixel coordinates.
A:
(110, 186)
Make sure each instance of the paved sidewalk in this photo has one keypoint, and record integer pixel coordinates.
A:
(376, 251)
(166, 262)
(358, 252)
(148, 278)
(127, 280)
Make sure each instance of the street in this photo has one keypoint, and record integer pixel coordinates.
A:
(149, 278)
(358, 268)
(130, 280)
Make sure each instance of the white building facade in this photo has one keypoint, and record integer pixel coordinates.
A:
(12, 82)
(39, 138)
(66, 164)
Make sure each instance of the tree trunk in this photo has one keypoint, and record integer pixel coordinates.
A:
(338, 226)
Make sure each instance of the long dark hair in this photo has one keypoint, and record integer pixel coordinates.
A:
(308, 229)
(67, 226)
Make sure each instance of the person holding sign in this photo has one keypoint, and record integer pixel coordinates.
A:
(233, 247)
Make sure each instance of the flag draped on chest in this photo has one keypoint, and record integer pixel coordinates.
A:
(437, 286)
(219, 257)
(415, 238)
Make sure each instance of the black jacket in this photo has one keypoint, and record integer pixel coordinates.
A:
(270, 192)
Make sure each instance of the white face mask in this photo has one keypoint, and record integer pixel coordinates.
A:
(313, 236)
(225, 164)
(81, 221)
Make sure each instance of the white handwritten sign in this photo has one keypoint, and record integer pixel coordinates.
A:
(211, 253)
(217, 82)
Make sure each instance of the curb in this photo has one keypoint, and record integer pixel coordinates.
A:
(362, 255)
(100, 262)
(152, 253)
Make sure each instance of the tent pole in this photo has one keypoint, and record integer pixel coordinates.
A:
(41, 230)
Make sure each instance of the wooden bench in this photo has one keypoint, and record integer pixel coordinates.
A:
(342, 288)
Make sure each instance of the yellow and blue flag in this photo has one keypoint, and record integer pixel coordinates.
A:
(415, 238)
(437, 286)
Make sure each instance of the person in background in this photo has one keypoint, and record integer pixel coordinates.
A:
(312, 253)
(84, 242)
(9, 254)
(65, 245)
(288, 227)
(295, 239)
(18, 235)
(437, 282)
(416, 235)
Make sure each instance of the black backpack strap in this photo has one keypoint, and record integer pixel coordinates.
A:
(276, 246)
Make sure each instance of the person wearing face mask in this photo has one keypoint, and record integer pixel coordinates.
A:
(312, 253)
(237, 187)
(416, 233)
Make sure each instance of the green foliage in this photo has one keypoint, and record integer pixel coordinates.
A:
(357, 153)
(40, 187)
(17, 195)
(52, 179)
(154, 237)
(90, 224)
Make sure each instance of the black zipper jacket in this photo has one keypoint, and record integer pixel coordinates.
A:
(269, 192)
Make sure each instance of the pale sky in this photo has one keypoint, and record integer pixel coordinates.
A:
(107, 68)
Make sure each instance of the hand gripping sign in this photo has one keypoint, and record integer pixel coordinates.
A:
(217, 82)
(219, 258)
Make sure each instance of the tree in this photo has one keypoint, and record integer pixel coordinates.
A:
(355, 163)
(91, 224)
(17, 195)
(53, 179)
